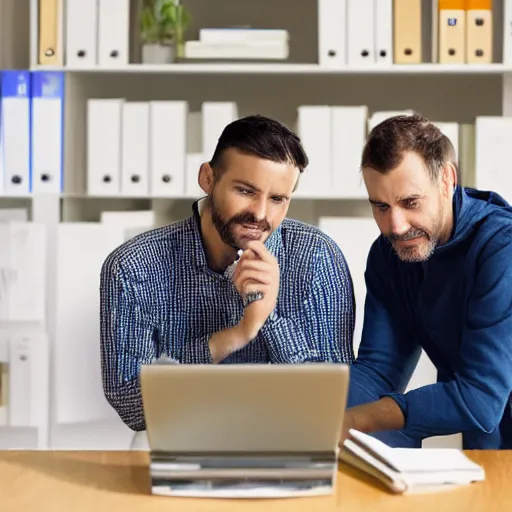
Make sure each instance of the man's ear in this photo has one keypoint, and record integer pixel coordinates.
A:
(449, 178)
(205, 178)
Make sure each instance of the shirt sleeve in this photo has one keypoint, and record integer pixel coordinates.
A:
(322, 328)
(477, 396)
(126, 339)
(197, 351)
(388, 352)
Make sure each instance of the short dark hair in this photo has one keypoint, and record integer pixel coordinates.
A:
(392, 138)
(260, 136)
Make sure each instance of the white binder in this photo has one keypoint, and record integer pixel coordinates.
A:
(332, 28)
(380, 116)
(314, 130)
(507, 32)
(79, 395)
(20, 362)
(104, 146)
(167, 148)
(135, 149)
(81, 33)
(193, 164)
(493, 143)
(194, 157)
(355, 237)
(360, 31)
(348, 138)
(114, 33)
(22, 272)
(15, 132)
(47, 131)
(28, 388)
(451, 130)
(383, 31)
(216, 116)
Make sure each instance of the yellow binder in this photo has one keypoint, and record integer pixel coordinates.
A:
(50, 52)
(479, 31)
(452, 31)
(407, 32)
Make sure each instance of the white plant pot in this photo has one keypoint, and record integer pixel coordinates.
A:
(158, 54)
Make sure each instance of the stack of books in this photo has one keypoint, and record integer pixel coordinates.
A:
(239, 43)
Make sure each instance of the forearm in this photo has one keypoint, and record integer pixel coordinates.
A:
(214, 348)
(372, 377)
(447, 408)
(224, 343)
(384, 414)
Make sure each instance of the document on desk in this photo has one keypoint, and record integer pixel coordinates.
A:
(409, 470)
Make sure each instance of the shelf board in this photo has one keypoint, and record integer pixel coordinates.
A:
(190, 198)
(289, 69)
(119, 197)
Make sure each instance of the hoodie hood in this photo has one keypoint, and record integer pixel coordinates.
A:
(470, 208)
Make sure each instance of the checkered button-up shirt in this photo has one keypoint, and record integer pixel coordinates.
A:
(159, 298)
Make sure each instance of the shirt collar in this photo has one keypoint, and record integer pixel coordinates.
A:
(195, 245)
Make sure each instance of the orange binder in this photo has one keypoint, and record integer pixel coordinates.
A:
(49, 33)
(479, 31)
(407, 32)
(452, 31)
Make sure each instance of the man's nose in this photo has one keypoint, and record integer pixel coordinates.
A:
(398, 224)
(259, 209)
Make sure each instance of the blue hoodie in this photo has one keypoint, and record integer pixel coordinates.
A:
(457, 306)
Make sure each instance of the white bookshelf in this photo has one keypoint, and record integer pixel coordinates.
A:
(442, 92)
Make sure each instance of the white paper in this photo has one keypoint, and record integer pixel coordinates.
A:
(410, 470)
(412, 459)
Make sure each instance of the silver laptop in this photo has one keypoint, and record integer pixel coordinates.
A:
(216, 429)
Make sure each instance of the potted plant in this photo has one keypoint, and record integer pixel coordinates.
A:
(162, 26)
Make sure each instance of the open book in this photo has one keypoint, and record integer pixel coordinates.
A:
(409, 469)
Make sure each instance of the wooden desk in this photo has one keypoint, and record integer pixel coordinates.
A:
(45, 481)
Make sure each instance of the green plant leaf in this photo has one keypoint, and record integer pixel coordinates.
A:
(163, 21)
(148, 25)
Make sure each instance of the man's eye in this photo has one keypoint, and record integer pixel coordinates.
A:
(243, 190)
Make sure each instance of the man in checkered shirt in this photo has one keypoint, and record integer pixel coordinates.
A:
(236, 282)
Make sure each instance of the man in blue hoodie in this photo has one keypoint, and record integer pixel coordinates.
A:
(439, 277)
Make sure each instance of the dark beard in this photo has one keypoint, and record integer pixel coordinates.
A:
(224, 228)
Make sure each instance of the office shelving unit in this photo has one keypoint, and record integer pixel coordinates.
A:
(440, 91)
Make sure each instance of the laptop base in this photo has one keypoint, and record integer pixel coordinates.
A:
(243, 475)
